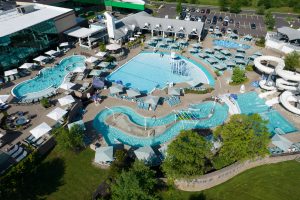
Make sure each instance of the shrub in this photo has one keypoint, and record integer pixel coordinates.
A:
(261, 42)
(249, 68)
(110, 59)
(194, 91)
(102, 47)
(238, 76)
(45, 103)
(292, 61)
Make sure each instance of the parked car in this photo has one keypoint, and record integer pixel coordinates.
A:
(187, 10)
(253, 26)
(225, 23)
(183, 9)
(217, 28)
(211, 29)
(208, 21)
(198, 10)
(237, 24)
(229, 31)
(231, 21)
(223, 30)
(203, 18)
(3, 106)
(215, 19)
(226, 19)
(202, 10)
(192, 9)
(235, 31)
(207, 11)
(220, 19)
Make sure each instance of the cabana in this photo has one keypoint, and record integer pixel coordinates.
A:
(152, 100)
(174, 91)
(40, 130)
(4, 98)
(91, 59)
(211, 61)
(66, 100)
(104, 155)
(26, 66)
(41, 59)
(10, 72)
(281, 142)
(225, 52)
(209, 51)
(116, 89)
(145, 154)
(239, 55)
(67, 85)
(241, 50)
(57, 114)
(103, 64)
(52, 53)
(101, 54)
(79, 122)
(220, 56)
(133, 92)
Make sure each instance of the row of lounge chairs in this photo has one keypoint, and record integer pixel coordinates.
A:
(17, 152)
(142, 105)
(37, 99)
(85, 86)
(173, 100)
(35, 142)
(20, 74)
(80, 77)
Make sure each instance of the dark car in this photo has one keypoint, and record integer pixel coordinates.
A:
(253, 26)
(235, 31)
(203, 18)
(220, 19)
(208, 21)
(237, 24)
(202, 11)
(183, 8)
(225, 23)
(192, 18)
(192, 9)
(207, 11)
(182, 15)
(215, 19)
(231, 21)
(223, 30)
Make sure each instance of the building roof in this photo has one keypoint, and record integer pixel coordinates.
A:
(12, 21)
(81, 32)
(291, 33)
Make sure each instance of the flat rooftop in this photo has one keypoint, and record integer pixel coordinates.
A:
(12, 20)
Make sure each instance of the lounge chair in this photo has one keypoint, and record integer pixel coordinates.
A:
(12, 78)
(17, 152)
(22, 156)
(13, 150)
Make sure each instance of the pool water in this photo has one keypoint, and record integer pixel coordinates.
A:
(230, 44)
(49, 77)
(149, 70)
(251, 103)
(112, 134)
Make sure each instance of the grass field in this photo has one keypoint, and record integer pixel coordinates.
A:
(269, 182)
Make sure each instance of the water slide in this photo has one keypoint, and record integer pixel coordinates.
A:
(265, 94)
(285, 99)
(272, 101)
(286, 85)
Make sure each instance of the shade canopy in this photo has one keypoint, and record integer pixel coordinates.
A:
(10, 72)
(40, 130)
(104, 154)
(230, 64)
(239, 55)
(4, 98)
(258, 53)
(113, 47)
(67, 85)
(225, 52)
(26, 66)
(217, 48)
(66, 100)
(91, 59)
(211, 60)
(116, 89)
(220, 56)
(192, 50)
(202, 55)
(104, 64)
(220, 67)
(153, 100)
(196, 45)
(174, 45)
(40, 58)
(182, 42)
(64, 44)
(97, 83)
(79, 69)
(281, 142)
(101, 54)
(57, 113)
(51, 53)
(240, 61)
(95, 72)
(79, 122)
(174, 91)
(241, 50)
(133, 92)
(209, 51)
(144, 153)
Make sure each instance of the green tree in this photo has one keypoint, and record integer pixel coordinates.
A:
(260, 10)
(70, 139)
(292, 61)
(122, 162)
(178, 7)
(138, 183)
(223, 5)
(261, 42)
(187, 155)
(102, 46)
(269, 20)
(45, 102)
(243, 137)
(238, 76)
(235, 6)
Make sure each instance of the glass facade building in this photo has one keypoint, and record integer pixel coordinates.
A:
(23, 45)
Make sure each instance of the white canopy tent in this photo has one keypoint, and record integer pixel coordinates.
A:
(91, 59)
(67, 85)
(51, 53)
(57, 114)
(40, 58)
(104, 154)
(66, 100)
(144, 153)
(10, 72)
(113, 47)
(26, 66)
(40, 130)
(101, 54)
(4, 98)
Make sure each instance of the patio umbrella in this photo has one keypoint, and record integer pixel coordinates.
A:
(64, 44)
(101, 54)
(40, 130)
(104, 154)
(40, 58)
(91, 59)
(153, 100)
(113, 47)
(4, 98)
(10, 72)
(116, 89)
(26, 66)
(144, 153)
(66, 100)
(174, 91)
(133, 92)
(67, 85)
(57, 114)
(79, 122)
(97, 83)
(139, 33)
(104, 64)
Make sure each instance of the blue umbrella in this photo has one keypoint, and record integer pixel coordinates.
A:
(97, 83)
(119, 82)
(234, 96)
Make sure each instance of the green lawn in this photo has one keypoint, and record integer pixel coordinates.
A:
(78, 178)
(269, 182)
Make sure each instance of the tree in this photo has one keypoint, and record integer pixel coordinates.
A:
(45, 102)
(223, 5)
(292, 61)
(187, 155)
(135, 184)
(235, 6)
(238, 76)
(243, 137)
(260, 10)
(178, 7)
(122, 162)
(70, 139)
(102, 47)
(261, 42)
(269, 20)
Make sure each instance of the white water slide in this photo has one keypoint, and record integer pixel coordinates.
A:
(286, 98)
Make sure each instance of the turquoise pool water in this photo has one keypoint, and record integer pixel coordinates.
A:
(230, 44)
(149, 70)
(112, 134)
(49, 77)
(250, 103)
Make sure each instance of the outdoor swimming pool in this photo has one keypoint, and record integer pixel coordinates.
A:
(149, 70)
(230, 44)
(49, 77)
(112, 134)
(250, 103)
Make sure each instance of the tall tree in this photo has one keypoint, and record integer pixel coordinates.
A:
(269, 20)
(292, 61)
(235, 6)
(137, 183)
(187, 155)
(238, 76)
(243, 137)
(178, 7)
(223, 5)
(70, 139)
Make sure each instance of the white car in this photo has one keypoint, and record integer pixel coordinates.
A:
(217, 28)
(187, 18)
(229, 31)
(226, 19)
(198, 10)
(211, 29)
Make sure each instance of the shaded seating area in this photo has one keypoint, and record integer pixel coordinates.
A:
(104, 155)
(173, 100)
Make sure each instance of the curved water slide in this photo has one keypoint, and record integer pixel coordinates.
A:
(287, 97)
(286, 85)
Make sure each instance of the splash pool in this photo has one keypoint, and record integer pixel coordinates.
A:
(112, 134)
(250, 103)
(49, 77)
(149, 70)
(230, 44)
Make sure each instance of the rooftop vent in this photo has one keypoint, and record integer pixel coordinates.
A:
(25, 9)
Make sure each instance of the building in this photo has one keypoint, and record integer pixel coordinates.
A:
(138, 5)
(30, 29)
(285, 40)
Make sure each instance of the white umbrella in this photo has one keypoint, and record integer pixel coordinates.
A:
(57, 114)
(115, 89)
(51, 53)
(139, 33)
(101, 54)
(26, 66)
(132, 39)
(64, 44)
(67, 85)
(10, 72)
(3, 98)
(66, 100)
(153, 100)
(133, 93)
(113, 47)
(91, 59)
(104, 154)
(40, 58)
(40, 130)
(79, 69)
